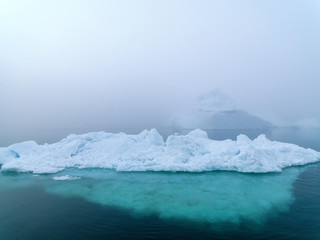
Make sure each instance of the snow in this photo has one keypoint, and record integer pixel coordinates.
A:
(148, 151)
(23, 147)
(15, 150)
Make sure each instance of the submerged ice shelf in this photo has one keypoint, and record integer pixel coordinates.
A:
(147, 151)
(207, 197)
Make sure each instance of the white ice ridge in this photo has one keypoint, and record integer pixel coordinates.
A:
(147, 151)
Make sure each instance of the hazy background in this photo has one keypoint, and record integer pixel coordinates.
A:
(79, 66)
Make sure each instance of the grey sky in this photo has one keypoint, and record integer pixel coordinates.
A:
(76, 66)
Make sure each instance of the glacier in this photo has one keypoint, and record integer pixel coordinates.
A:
(147, 151)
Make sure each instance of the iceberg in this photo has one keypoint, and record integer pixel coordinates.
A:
(306, 123)
(215, 110)
(13, 151)
(147, 151)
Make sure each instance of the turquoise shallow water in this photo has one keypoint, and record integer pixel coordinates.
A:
(105, 204)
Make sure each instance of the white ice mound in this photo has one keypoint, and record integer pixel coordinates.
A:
(147, 151)
(15, 150)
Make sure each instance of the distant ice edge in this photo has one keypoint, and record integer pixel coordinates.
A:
(147, 151)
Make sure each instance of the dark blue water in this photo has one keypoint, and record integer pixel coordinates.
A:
(29, 211)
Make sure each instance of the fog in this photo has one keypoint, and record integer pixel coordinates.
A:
(78, 66)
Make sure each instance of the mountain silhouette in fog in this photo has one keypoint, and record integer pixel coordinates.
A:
(215, 110)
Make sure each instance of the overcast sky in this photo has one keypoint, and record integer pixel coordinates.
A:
(77, 66)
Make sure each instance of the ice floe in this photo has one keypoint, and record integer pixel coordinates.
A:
(147, 151)
(65, 177)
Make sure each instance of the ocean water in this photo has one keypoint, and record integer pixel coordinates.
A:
(105, 204)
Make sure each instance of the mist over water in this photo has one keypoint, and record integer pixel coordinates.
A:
(86, 66)
(109, 66)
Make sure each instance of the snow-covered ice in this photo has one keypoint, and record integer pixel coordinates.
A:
(147, 151)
